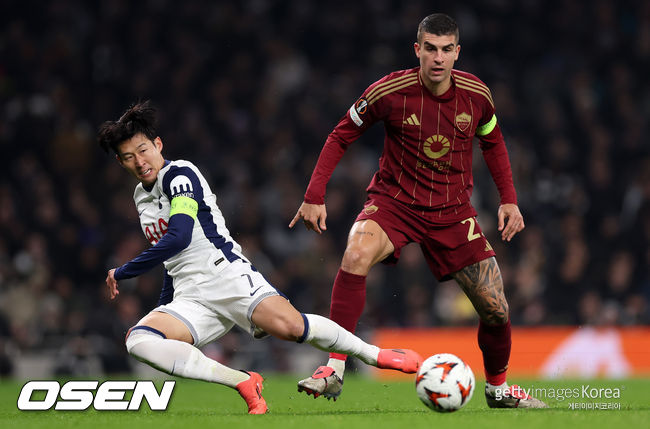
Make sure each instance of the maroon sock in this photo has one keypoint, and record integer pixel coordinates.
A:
(348, 300)
(495, 343)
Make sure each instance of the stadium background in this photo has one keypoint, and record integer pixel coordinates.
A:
(248, 90)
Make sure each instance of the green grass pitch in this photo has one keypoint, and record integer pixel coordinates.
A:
(365, 403)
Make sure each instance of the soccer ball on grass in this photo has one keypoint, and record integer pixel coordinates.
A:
(445, 383)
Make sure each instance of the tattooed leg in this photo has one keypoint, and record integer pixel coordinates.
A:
(483, 285)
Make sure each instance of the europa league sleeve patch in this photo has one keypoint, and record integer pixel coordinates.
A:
(357, 110)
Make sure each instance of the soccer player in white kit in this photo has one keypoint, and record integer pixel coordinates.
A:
(209, 284)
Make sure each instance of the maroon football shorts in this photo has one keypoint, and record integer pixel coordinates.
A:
(446, 248)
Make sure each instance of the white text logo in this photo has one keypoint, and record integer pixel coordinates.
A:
(79, 395)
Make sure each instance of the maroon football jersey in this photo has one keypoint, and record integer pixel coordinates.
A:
(427, 157)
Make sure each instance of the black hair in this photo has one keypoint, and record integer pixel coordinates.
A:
(140, 118)
(438, 24)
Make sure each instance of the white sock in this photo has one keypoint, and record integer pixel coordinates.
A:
(337, 365)
(181, 359)
(327, 335)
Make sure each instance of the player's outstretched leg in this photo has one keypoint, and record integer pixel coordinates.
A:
(326, 382)
(326, 335)
(505, 396)
(404, 360)
(251, 391)
(184, 360)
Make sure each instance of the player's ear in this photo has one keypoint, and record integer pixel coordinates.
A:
(416, 48)
(457, 52)
(158, 143)
(119, 159)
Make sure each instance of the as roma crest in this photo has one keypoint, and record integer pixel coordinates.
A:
(462, 121)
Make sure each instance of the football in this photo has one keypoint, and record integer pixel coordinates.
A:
(444, 383)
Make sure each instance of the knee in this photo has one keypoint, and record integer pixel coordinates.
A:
(137, 335)
(295, 329)
(497, 315)
(288, 328)
(356, 260)
(129, 340)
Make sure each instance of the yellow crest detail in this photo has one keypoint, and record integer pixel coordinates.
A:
(371, 209)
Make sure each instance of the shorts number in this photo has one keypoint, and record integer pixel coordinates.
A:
(472, 224)
(250, 281)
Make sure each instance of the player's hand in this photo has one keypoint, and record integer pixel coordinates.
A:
(510, 221)
(312, 215)
(112, 283)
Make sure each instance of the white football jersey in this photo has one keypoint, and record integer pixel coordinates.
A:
(211, 245)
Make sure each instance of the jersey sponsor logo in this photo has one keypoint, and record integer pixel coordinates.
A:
(463, 121)
(157, 233)
(181, 186)
(412, 120)
(371, 210)
(439, 166)
(79, 395)
(436, 146)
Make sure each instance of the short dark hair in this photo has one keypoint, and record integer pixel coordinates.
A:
(438, 24)
(140, 118)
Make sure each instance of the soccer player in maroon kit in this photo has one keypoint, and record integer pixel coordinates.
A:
(421, 194)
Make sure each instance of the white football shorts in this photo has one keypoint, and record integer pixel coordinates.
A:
(212, 308)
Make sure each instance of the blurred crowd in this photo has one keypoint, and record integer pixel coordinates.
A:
(248, 91)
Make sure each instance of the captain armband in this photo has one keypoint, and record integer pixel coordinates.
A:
(185, 205)
(485, 129)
